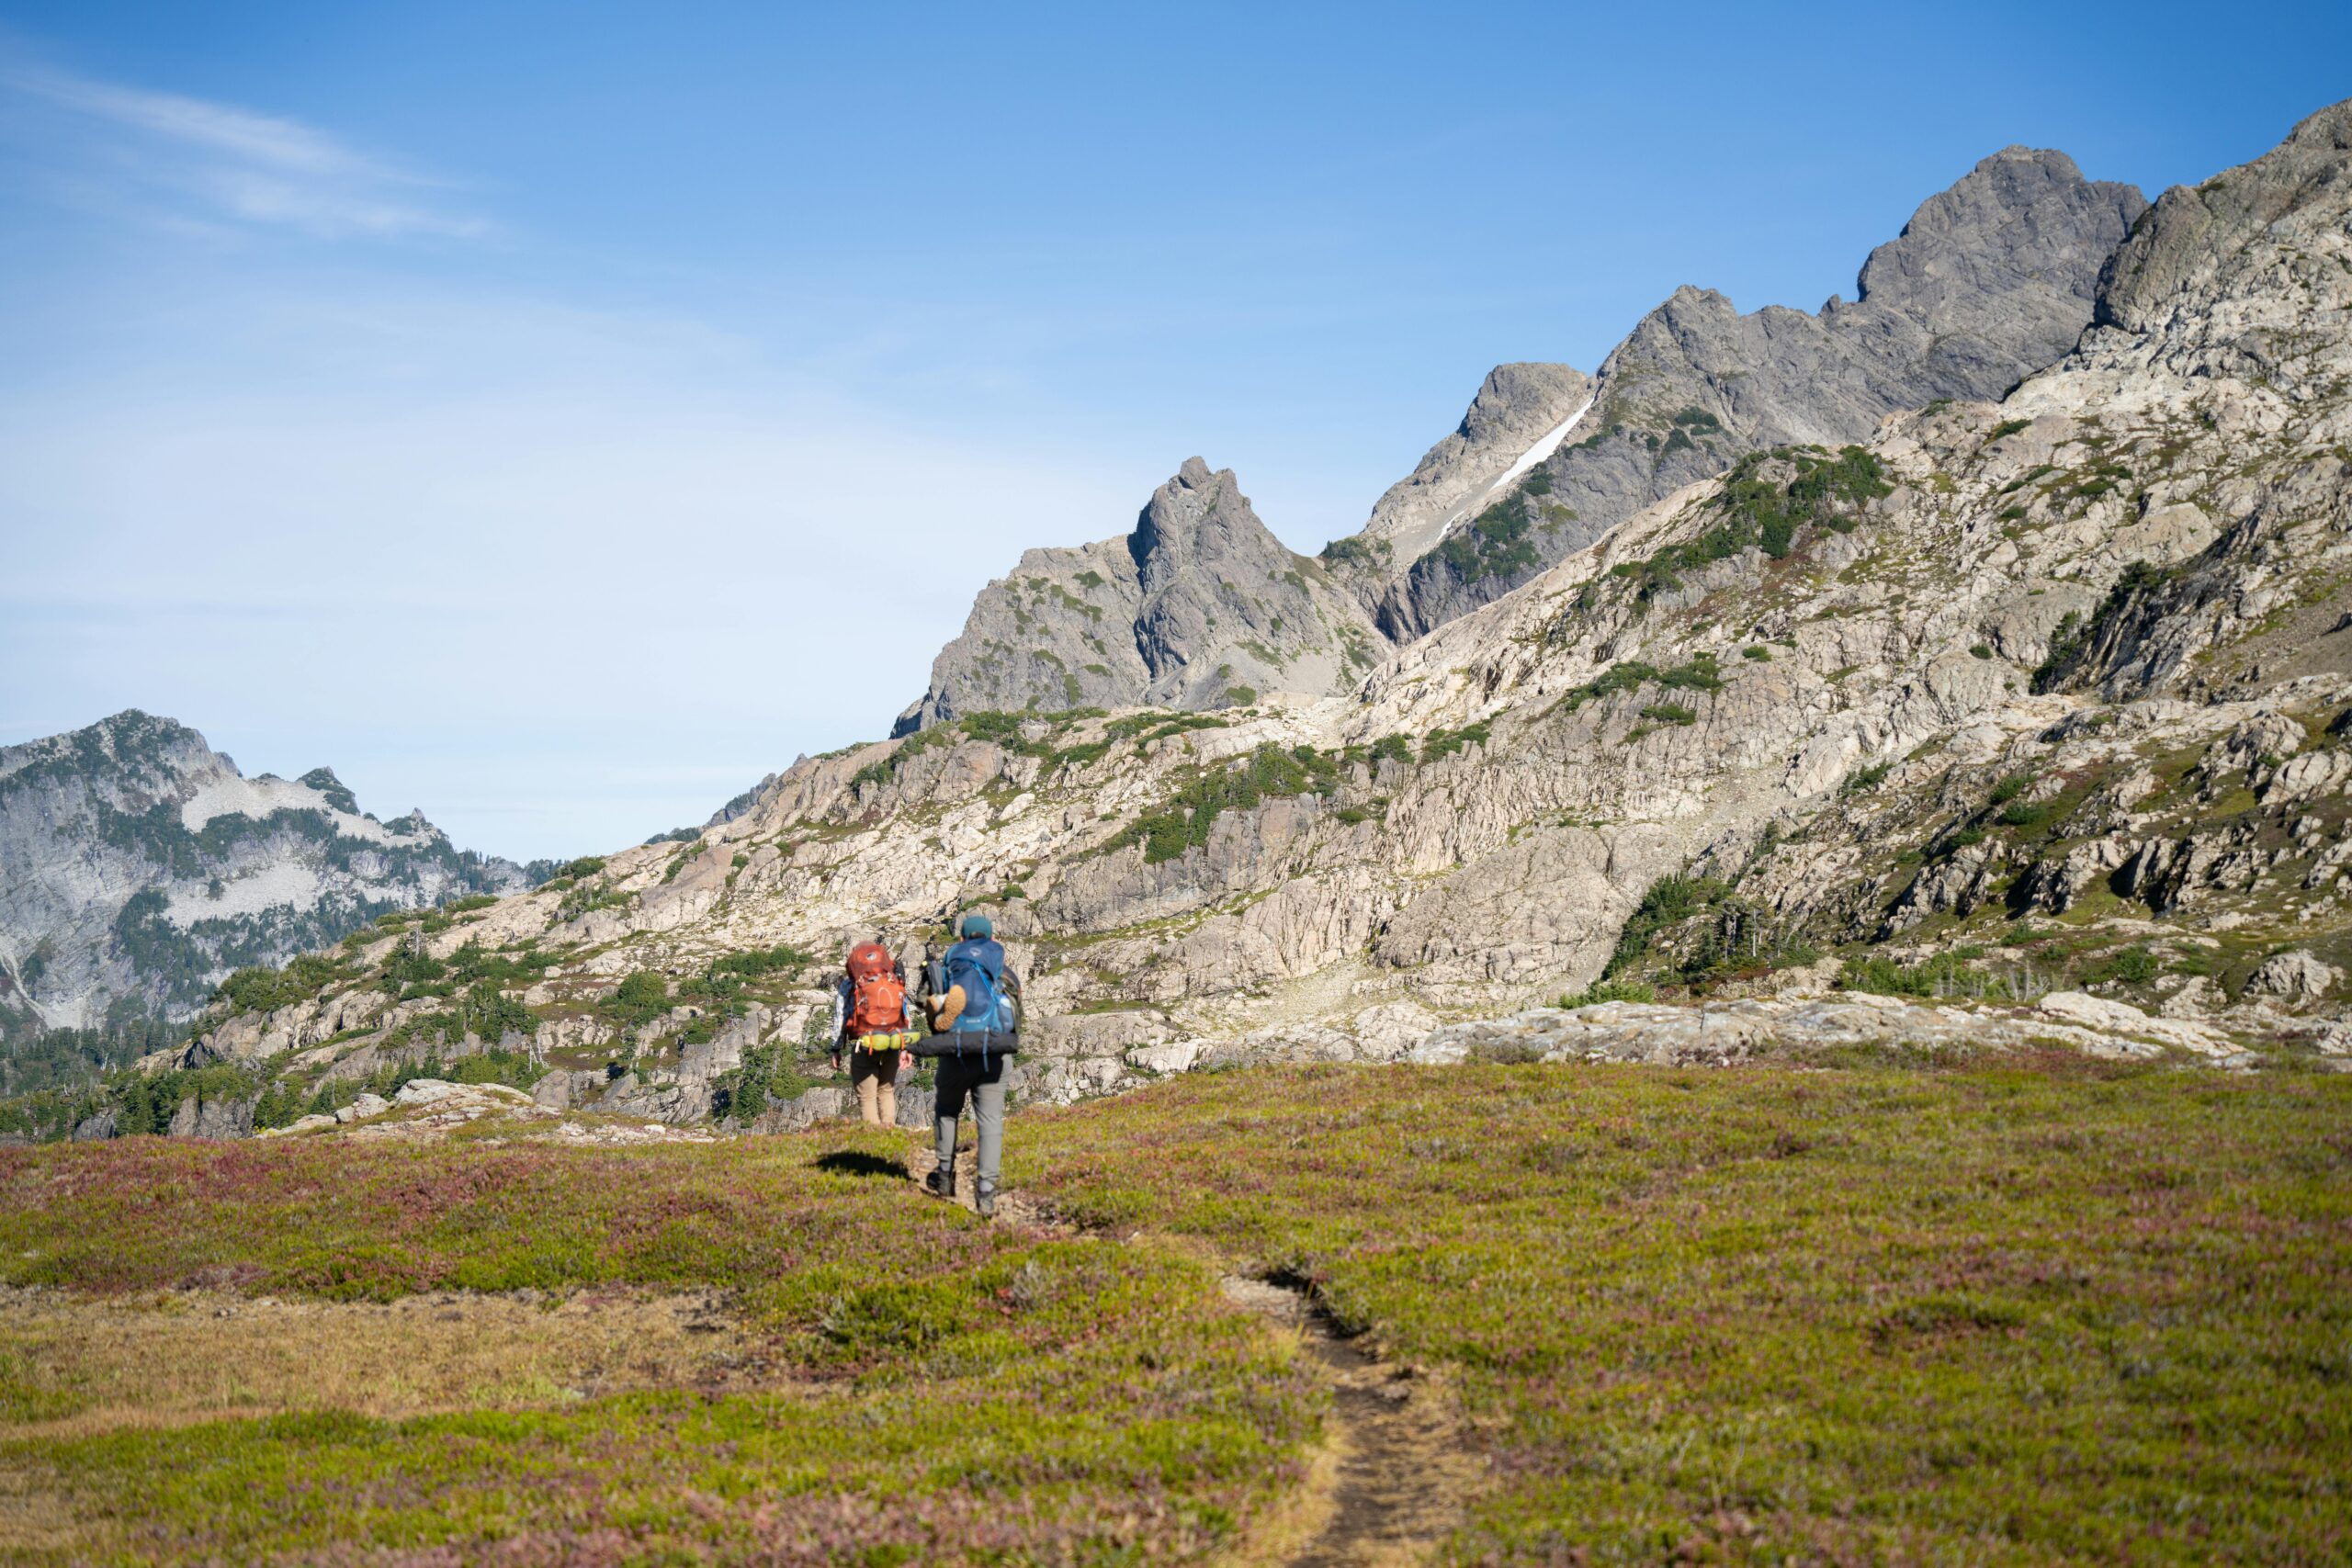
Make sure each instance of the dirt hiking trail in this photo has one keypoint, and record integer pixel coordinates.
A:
(1387, 1485)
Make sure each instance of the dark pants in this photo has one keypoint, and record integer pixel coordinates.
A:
(962, 1078)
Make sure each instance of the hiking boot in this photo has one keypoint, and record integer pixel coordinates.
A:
(984, 1203)
(941, 1182)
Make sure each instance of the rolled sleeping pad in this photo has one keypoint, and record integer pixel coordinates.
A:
(978, 1043)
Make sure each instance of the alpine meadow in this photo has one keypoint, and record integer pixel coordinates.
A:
(1756, 969)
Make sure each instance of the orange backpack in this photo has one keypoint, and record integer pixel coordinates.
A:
(877, 996)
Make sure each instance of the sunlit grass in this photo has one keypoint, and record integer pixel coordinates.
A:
(935, 1390)
(1867, 1314)
(2052, 1313)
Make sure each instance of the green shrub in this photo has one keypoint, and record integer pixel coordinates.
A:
(266, 990)
(1241, 785)
(1945, 974)
(1861, 779)
(1446, 742)
(1669, 901)
(641, 996)
(1499, 542)
(2074, 636)
(2134, 966)
(1757, 651)
(1701, 674)
(1610, 991)
(1670, 713)
(1757, 514)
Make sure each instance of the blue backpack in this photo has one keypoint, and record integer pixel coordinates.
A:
(979, 967)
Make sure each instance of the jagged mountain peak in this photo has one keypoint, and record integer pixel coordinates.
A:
(2016, 691)
(1521, 415)
(1990, 280)
(2195, 233)
(1197, 606)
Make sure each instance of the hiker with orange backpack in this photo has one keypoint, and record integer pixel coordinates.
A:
(974, 1000)
(873, 1021)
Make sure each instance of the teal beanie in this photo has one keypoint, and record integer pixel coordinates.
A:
(977, 927)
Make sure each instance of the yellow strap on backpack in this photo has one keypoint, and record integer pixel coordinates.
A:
(899, 1039)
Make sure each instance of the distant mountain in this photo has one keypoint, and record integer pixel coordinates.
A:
(1991, 280)
(1199, 605)
(2039, 708)
(137, 867)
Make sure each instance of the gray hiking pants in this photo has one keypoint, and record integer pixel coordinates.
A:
(962, 1078)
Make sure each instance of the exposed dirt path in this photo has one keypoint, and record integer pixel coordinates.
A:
(1390, 1480)
(1395, 1471)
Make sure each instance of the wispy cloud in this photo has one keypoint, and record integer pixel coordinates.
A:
(230, 163)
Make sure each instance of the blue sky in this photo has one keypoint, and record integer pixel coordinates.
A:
(557, 416)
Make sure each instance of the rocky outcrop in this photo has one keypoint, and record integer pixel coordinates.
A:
(1521, 415)
(1991, 281)
(137, 867)
(1198, 607)
(1724, 1034)
(1931, 714)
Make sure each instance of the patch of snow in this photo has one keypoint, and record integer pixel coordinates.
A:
(1545, 446)
(1537, 453)
(257, 798)
(1411, 544)
(287, 884)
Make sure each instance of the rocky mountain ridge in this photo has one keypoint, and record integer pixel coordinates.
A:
(1198, 606)
(139, 867)
(2036, 712)
(1201, 607)
(1991, 281)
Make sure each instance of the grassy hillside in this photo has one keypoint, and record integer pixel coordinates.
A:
(2036, 1313)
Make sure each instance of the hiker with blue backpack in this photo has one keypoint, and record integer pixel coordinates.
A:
(974, 1001)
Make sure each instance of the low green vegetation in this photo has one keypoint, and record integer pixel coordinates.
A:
(1500, 540)
(928, 1389)
(1755, 510)
(2036, 1309)
(1184, 821)
(302, 979)
(1669, 901)
(1610, 991)
(1859, 1314)
(1440, 743)
(1699, 674)
(2073, 642)
(1864, 779)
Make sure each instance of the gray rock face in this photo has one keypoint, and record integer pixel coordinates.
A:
(1521, 415)
(1991, 281)
(137, 867)
(1962, 690)
(1198, 607)
(2197, 236)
